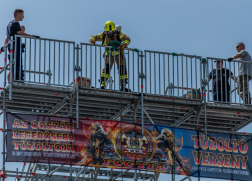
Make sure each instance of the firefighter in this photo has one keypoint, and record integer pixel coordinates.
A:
(95, 147)
(106, 36)
(165, 143)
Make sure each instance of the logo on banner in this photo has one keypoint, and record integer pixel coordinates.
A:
(132, 144)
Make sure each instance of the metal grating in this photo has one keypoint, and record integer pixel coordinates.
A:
(106, 105)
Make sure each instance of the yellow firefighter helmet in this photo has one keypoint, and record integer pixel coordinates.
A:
(109, 25)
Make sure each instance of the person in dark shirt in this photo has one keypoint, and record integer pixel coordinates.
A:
(13, 28)
(23, 48)
(221, 87)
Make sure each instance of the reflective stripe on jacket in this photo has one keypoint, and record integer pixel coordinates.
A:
(123, 37)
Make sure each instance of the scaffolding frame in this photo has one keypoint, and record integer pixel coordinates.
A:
(92, 103)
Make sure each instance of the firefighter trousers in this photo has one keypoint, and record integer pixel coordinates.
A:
(121, 67)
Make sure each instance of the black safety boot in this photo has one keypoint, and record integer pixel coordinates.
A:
(124, 88)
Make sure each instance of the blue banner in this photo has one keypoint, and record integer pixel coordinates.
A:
(115, 144)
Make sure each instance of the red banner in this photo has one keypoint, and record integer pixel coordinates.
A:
(115, 144)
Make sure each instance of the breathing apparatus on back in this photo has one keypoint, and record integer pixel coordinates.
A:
(118, 28)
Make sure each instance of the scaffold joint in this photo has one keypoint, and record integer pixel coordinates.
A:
(3, 130)
(49, 72)
(176, 54)
(204, 82)
(77, 68)
(142, 75)
(203, 60)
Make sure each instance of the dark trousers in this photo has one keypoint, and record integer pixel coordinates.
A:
(225, 97)
(19, 74)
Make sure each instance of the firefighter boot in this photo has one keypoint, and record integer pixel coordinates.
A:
(124, 88)
(102, 83)
(104, 76)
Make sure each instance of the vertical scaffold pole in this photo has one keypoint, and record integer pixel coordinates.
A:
(48, 171)
(5, 66)
(77, 88)
(135, 121)
(142, 98)
(204, 62)
(4, 110)
(11, 71)
(71, 172)
(173, 130)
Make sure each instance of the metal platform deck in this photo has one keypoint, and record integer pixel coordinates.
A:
(108, 105)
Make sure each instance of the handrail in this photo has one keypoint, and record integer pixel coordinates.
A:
(226, 60)
(57, 59)
(49, 39)
(174, 54)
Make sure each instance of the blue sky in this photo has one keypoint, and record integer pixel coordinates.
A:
(197, 27)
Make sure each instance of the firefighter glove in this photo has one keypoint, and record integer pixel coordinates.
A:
(92, 40)
(122, 47)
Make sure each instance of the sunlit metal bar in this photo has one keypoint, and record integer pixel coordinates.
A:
(77, 176)
(55, 170)
(184, 118)
(187, 177)
(120, 175)
(148, 116)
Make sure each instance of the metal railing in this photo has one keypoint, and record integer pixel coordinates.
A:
(60, 63)
(173, 74)
(44, 61)
(226, 83)
(93, 64)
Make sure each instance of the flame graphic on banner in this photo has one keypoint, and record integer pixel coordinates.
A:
(84, 131)
(179, 141)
